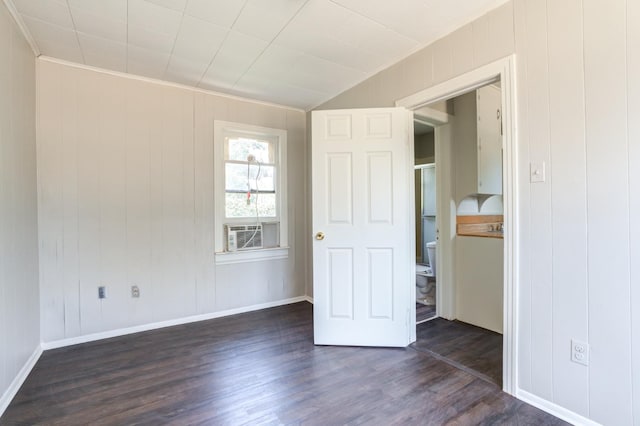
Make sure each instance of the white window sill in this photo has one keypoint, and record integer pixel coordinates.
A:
(258, 255)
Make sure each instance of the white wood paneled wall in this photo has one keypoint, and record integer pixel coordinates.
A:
(19, 302)
(578, 108)
(575, 61)
(568, 197)
(126, 198)
(633, 140)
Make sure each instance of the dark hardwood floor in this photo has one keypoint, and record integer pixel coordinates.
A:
(424, 312)
(475, 349)
(255, 368)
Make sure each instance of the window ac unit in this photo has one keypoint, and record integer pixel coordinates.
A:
(244, 237)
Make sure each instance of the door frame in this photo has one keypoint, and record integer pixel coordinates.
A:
(445, 221)
(504, 70)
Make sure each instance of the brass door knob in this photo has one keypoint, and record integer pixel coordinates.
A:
(320, 236)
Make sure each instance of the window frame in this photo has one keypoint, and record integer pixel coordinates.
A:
(249, 220)
(222, 130)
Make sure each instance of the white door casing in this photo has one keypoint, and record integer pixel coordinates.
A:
(445, 208)
(362, 224)
(502, 70)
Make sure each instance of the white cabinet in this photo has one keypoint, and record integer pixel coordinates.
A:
(489, 137)
(478, 143)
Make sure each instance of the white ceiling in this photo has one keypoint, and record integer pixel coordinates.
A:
(298, 53)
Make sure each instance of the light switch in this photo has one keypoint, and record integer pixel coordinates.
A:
(537, 172)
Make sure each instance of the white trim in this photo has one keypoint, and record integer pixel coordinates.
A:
(456, 86)
(13, 11)
(445, 217)
(410, 320)
(512, 230)
(17, 382)
(424, 166)
(169, 323)
(308, 299)
(554, 409)
(431, 116)
(164, 83)
(259, 255)
(503, 70)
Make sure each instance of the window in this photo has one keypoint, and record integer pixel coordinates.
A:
(250, 177)
(250, 192)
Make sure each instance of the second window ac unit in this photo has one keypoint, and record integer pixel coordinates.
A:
(244, 237)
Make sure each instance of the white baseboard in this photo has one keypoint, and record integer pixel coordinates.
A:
(308, 299)
(556, 410)
(14, 387)
(153, 326)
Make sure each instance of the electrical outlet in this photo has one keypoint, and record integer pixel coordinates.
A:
(102, 292)
(135, 291)
(579, 352)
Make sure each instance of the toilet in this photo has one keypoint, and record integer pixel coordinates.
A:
(431, 253)
(422, 282)
(425, 277)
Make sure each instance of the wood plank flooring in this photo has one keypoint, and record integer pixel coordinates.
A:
(464, 346)
(424, 312)
(255, 368)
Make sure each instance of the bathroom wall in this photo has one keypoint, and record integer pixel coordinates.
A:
(126, 197)
(479, 274)
(19, 295)
(465, 160)
(474, 205)
(479, 278)
(424, 149)
(580, 115)
(465, 151)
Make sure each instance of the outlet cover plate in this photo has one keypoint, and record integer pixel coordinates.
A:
(579, 352)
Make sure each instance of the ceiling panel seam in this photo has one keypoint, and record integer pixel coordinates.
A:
(270, 42)
(75, 31)
(175, 40)
(221, 44)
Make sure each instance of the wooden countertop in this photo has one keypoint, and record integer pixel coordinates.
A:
(485, 226)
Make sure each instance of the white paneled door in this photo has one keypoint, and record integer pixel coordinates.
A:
(362, 210)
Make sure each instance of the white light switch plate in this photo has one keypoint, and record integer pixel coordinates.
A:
(537, 172)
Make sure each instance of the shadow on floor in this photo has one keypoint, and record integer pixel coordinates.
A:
(473, 349)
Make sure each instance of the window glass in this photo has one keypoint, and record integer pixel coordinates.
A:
(236, 205)
(241, 177)
(239, 149)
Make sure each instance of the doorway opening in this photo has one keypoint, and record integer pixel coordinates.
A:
(473, 339)
(425, 219)
(476, 223)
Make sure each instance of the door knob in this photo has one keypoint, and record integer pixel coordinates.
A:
(320, 236)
